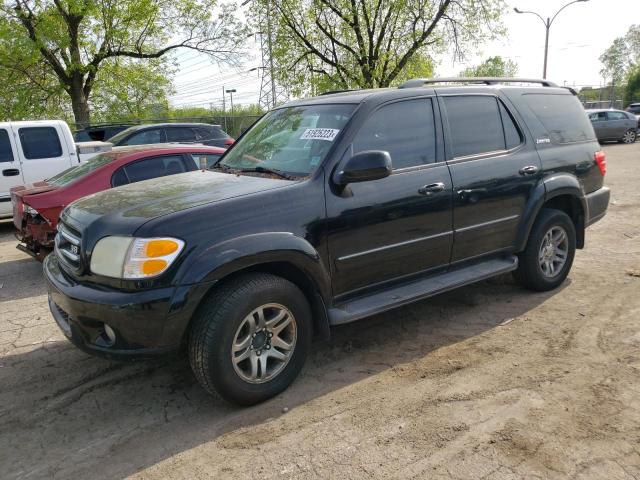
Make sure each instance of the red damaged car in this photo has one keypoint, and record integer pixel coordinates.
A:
(36, 207)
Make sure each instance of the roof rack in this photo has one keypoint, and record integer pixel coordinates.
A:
(331, 92)
(419, 82)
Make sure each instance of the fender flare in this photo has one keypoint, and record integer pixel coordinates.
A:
(212, 264)
(547, 189)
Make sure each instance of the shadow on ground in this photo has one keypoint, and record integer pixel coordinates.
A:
(104, 411)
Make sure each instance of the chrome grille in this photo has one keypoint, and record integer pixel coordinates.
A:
(67, 246)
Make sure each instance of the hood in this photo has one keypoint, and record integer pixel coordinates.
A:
(139, 202)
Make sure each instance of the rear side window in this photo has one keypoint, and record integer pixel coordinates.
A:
(404, 129)
(40, 142)
(562, 116)
(475, 125)
(154, 167)
(616, 116)
(512, 135)
(598, 117)
(6, 155)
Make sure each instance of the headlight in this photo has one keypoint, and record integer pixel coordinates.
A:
(127, 257)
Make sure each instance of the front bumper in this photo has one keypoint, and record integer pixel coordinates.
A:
(138, 318)
(597, 204)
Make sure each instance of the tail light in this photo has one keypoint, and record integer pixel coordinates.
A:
(601, 161)
(229, 141)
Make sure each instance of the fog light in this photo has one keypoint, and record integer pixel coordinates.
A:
(111, 335)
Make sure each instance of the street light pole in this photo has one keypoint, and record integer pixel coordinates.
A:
(547, 25)
(231, 91)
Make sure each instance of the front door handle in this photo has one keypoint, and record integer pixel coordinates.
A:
(431, 188)
(529, 170)
(10, 172)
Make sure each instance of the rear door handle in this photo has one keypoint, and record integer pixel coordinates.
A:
(431, 188)
(10, 172)
(529, 170)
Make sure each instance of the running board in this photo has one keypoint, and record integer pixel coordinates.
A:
(418, 290)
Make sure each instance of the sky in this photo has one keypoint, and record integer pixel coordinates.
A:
(578, 36)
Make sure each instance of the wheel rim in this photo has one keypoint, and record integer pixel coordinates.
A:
(264, 343)
(629, 137)
(553, 252)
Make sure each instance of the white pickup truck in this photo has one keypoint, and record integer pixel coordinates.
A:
(35, 150)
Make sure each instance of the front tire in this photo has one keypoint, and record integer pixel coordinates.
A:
(547, 259)
(250, 338)
(629, 137)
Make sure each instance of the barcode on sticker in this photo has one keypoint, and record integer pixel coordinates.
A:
(320, 134)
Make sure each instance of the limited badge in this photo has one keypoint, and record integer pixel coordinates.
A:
(320, 134)
(543, 140)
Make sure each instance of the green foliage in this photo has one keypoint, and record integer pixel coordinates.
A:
(322, 45)
(632, 89)
(62, 46)
(492, 67)
(622, 56)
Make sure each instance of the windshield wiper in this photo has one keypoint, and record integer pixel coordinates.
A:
(223, 167)
(273, 171)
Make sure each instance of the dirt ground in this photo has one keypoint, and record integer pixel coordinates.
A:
(489, 381)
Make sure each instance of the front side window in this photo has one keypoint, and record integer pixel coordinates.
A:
(79, 171)
(146, 137)
(210, 159)
(40, 142)
(404, 129)
(475, 125)
(154, 167)
(6, 155)
(293, 140)
(598, 117)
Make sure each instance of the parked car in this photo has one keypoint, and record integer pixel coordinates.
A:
(36, 207)
(614, 125)
(203, 133)
(99, 132)
(634, 108)
(35, 150)
(393, 196)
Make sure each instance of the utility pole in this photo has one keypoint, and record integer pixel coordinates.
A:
(547, 26)
(270, 47)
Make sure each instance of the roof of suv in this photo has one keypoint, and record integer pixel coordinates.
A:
(419, 86)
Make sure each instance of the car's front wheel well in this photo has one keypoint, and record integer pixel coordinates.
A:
(570, 205)
(295, 275)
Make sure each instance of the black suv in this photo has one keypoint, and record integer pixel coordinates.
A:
(203, 133)
(329, 210)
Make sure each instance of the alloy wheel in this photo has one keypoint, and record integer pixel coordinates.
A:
(553, 251)
(264, 343)
(629, 136)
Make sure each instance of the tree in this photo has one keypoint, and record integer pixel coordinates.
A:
(73, 40)
(615, 61)
(622, 56)
(339, 44)
(492, 67)
(632, 89)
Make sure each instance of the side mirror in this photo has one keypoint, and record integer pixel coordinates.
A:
(365, 166)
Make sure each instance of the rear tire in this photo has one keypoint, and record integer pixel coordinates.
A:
(629, 137)
(545, 262)
(250, 338)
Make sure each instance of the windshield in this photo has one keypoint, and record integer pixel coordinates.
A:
(291, 140)
(74, 173)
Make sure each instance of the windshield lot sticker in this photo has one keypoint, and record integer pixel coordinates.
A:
(320, 134)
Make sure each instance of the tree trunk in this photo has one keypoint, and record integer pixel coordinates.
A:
(80, 105)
